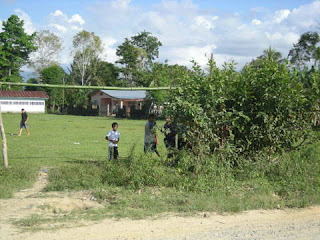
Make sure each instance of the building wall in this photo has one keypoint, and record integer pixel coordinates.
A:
(96, 98)
(15, 105)
(103, 100)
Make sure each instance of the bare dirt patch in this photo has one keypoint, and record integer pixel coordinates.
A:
(34, 202)
(258, 224)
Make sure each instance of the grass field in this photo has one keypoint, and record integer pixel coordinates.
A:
(75, 151)
(61, 141)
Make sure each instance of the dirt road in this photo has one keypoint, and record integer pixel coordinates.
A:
(260, 224)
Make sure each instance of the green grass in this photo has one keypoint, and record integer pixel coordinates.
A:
(142, 185)
(53, 143)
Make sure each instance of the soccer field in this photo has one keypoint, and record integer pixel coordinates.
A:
(56, 140)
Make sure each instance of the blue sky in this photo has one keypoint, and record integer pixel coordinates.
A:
(40, 8)
(188, 29)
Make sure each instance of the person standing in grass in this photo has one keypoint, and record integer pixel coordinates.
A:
(150, 135)
(170, 136)
(113, 137)
(24, 121)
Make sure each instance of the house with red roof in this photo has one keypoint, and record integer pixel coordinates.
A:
(31, 101)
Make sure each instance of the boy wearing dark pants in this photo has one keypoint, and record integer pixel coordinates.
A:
(170, 136)
(113, 137)
(150, 135)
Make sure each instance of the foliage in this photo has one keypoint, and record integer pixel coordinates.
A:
(15, 47)
(137, 55)
(261, 108)
(163, 74)
(269, 53)
(270, 181)
(305, 50)
(86, 51)
(273, 103)
(150, 46)
(33, 81)
(107, 74)
(48, 47)
(53, 75)
(199, 104)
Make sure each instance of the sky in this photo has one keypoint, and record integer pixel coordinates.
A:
(188, 29)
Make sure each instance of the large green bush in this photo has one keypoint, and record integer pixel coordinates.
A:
(263, 107)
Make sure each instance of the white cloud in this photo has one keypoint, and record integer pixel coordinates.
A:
(120, 3)
(256, 22)
(280, 15)
(76, 18)
(306, 16)
(76, 28)
(57, 13)
(187, 31)
(60, 21)
(109, 49)
(65, 28)
(59, 27)
(183, 55)
(28, 25)
(205, 22)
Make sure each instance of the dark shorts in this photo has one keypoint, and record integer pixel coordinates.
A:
(150, 147)
(23, 125)
(170, 143)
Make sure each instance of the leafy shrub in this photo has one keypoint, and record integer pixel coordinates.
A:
(262, 108)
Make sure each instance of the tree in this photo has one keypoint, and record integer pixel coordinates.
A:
(137, 56)
(258, 109)
(317, 56)
(129, 59)
(86, 50)
(15, 47)
(150, 46)
(34, 81)
(305, 50)
(48, 47)
(54, 75)
(107, 74)
(268, 54)
(163, 74)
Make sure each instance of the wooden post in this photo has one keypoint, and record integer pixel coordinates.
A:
(4, 142)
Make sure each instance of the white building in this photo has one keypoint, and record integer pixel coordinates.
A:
(30, 101)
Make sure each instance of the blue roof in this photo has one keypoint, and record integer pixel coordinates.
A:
(123, 94)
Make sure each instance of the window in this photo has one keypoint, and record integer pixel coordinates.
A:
(36, 103)
(21, 103)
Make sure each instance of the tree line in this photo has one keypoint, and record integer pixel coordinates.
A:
(137, 65)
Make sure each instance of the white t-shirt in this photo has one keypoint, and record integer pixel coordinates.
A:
(113, 135)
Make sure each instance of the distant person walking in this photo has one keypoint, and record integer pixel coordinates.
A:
(24, 121)
(150, 135)
(113, 137)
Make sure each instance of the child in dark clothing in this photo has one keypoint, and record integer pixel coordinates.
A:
(170, 136)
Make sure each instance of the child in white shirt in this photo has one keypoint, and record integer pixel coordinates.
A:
(113, 137)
